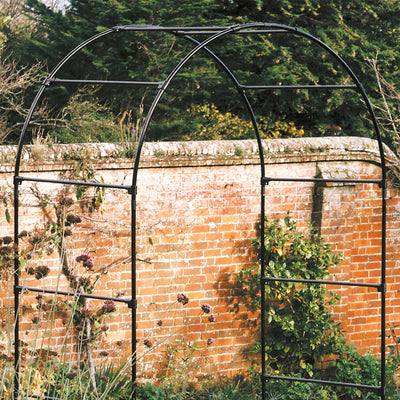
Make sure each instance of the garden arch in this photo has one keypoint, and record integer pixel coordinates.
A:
(211, 34)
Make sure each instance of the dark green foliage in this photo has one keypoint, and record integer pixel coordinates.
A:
(300, 328)
(65, 381)
(236, 388)
(284, 390)
(356, 30)
(151, 392)
(353, 367)
(126, 56)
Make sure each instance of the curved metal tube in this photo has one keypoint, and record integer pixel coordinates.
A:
(244, 98)
(346, 67)
(220, 31)
(215, 33)
(43, 87)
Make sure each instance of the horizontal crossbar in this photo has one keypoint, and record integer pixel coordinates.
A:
(323, 382)
(266, 180)
(48, 82)
(154, 28)
(20, 179)
(75, 294)
(377, 286)
(159, 85)
(244, 32)
(295, 87)
(196, 30)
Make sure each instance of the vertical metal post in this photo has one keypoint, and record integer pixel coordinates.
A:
(16, 292)
(133, 289)
(216, 32)
(383, 290)
(262, 284)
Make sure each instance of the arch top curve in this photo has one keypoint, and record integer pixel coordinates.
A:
(213, 33)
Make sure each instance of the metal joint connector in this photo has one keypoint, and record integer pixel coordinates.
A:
(132, 304)
(265, 181)
(382, 288)
(17, 290)
(383, 184)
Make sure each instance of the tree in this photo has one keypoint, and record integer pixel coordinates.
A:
(17, 78)
(119, 57)
(354, 29)
(389, 113)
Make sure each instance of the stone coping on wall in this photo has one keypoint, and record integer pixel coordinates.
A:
(56, 157)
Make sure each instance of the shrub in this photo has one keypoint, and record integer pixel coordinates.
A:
(212, 124)
(300, 328)
(285, 390)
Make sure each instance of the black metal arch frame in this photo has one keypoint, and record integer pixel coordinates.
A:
(212, 34)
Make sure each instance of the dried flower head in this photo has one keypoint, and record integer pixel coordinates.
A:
(67, 232)
(7, 240)
(72, 375)
(37, 238)
(210, 341)
(212, 318)
(108, 306)
(36, 319)
(182, 298)
(86, 312)
(41, 271)
(85, 282)
(86, 259)
(39, 298)
(206, 308)
(30, 270)
(148, 343)
(73, 219)
(5, 251)
(83, 257)
(88, 264)
(104, 353)
(159, 322)
(66, 201)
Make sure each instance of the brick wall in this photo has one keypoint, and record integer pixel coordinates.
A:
(198, 211)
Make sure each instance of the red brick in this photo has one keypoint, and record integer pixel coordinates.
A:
(197, 250)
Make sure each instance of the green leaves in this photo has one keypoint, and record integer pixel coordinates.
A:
(300, 329)
(8, 215)
(354, 29)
